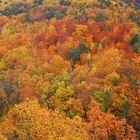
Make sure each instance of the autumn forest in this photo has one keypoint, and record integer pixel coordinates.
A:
(69, 70)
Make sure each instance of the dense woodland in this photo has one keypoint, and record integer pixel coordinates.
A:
(69, 70)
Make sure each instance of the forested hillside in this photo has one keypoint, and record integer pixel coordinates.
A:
(69, 69)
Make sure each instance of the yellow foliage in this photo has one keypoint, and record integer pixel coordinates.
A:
(50, 2)
(113, 75)
(79, 2)
(100, 47)
(108, 60)
(51, 29)
(80, 30)
(2, 137)
(32, 121)
(119, 100)
(64, 91)
(137, 60)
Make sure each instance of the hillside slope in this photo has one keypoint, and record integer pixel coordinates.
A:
(69, 70)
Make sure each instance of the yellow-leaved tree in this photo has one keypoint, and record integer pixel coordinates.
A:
(29, 120)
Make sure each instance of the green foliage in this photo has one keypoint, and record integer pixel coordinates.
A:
(3, 103)
(60, 14)
(52, 12)
(63, 100)
(133, 81)
(137, 47)
(103, 98)
(38, 2)
(14, 8)
(12, 27)
(11, 89)
(2, 65)
(134, 18)
(63, 93)
(58, 80)
(1, 77)
(125, 108)
(115, 82)
(49, 13)
(36, 53)
(135, 39)
(135, 42)
(45, 93)
(75, 53)
(74, 108)
(65, 2)
(101, 17)
(114, 78)
(27, 18)
(112, 137)
(105, 3)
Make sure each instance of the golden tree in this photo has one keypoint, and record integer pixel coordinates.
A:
(29, 120)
